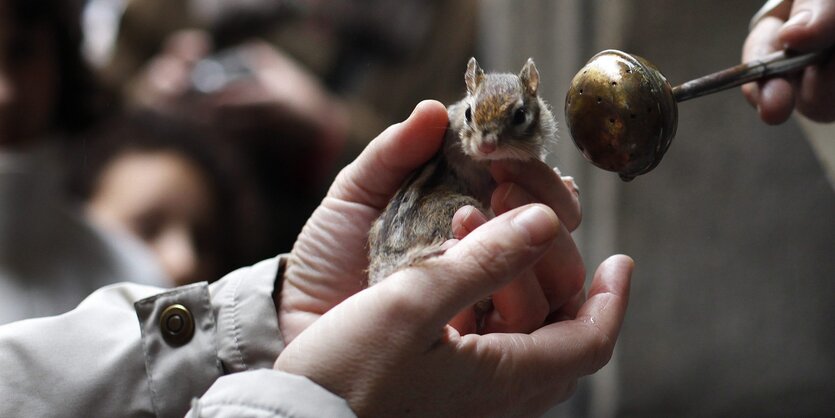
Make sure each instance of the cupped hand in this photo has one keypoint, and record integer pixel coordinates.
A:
(329, 259)
(553, 287)
(388, 351)
(808, 25)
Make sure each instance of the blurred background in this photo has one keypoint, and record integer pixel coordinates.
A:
(215, 126)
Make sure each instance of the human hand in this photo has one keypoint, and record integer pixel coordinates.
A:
(315, 280)
(388, 351)
(166, 78)
(276, 106)
(808, 25)
(329, 260)
(278, 90)
(553, 287)
(263, 86)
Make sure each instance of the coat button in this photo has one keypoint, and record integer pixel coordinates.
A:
(176, 325)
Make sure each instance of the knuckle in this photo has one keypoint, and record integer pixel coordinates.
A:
(489, 260)
(601, 348)
(404, 298)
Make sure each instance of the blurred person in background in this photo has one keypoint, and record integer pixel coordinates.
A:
(121, 363)
(173, 186)
(50, 258)
(298, 87)
(287, 128)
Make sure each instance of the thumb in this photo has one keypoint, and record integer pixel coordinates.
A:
(480, 264)
(810, 26)
(381, 168)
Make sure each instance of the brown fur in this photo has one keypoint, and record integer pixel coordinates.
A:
(418, 219)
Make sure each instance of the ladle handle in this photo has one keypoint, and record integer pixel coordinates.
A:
(779, 62)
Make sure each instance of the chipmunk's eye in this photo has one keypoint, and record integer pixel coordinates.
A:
(519, 115)
(468, 114)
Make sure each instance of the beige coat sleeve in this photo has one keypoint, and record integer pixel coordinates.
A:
(110, 357)
(268, 393)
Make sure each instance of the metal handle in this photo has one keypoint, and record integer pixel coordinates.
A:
(779, 62)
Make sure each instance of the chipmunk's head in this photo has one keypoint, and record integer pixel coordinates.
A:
(504, 117)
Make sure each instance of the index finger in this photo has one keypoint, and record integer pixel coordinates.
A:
(544, 183)
(478, 265)
(560, 271)
(763, 39)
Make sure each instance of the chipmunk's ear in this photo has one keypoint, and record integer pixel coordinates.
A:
(530, 77)
(474, 76)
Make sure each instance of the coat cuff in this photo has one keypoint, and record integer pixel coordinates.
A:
(194, 334)
(247, 323)
(268, 393)
(186, 363)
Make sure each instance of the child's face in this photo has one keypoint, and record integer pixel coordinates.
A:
(28, 81)
(165, 201)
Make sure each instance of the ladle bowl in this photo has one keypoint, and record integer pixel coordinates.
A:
(622, 112)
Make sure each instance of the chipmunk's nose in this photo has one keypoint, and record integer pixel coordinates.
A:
(487, 147)
(489, 142)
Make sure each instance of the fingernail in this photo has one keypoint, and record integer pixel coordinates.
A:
(537, 223)
(417, 108)
(468, 211)
(506, 197)
(629, 261)
(515, 197)
(414, 110)
(801, 18)
(461, 230)
(571, 184)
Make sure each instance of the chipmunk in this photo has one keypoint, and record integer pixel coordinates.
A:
(501, 117)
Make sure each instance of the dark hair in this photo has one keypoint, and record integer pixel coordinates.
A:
(79, 100)
(237, 208)
(144, 131)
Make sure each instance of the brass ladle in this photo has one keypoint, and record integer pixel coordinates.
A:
(622, 112)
